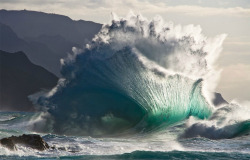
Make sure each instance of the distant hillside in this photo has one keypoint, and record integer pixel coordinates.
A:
(45, 38)
(37, 52)
(20, 78)
(34, 24)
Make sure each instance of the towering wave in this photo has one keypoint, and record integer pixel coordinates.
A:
(136, 75)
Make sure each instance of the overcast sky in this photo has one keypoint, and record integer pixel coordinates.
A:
(215, 17)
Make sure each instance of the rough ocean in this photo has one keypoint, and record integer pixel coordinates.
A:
(142, 89)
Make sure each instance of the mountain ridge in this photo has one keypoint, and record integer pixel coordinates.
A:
(20, 78)
(33, 24)
(44, 37)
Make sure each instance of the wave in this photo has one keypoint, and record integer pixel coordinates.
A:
(135, 76)
(229, 121)
(178, 155)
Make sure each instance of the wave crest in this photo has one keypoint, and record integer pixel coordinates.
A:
(136, 75)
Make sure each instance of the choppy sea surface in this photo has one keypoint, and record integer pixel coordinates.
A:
(165, 144)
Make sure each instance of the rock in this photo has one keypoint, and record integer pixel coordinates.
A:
(31, 140)
(8, 143)
(218, 99)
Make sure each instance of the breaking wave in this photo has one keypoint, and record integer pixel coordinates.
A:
(228, 121)
(136, 75)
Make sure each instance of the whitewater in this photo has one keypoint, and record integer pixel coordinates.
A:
(141, 89)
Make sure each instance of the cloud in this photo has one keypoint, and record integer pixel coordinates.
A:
(236, 51)
(209, 11)
(234, 82)
(97, 9)
(241, 73)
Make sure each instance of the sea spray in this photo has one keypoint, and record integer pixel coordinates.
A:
(227, 121)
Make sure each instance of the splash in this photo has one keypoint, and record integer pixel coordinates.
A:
(137, 75)
(228, 121)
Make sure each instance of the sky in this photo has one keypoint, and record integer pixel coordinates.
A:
(214, 16)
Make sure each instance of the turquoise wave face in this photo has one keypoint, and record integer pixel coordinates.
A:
(135, 76)
(120, 94)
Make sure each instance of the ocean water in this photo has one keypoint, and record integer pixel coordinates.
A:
(165, 144)
(142, 89)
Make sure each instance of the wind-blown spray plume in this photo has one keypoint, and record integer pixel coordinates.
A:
(136, 75)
